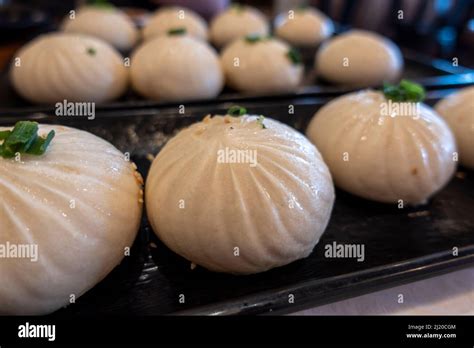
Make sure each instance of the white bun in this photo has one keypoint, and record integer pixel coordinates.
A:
(237, 22)
(303, 28)
(176, 67)
(263, 66)
(381, 157)
(79, 203)
(359, 58)
(458, 110)
(274, 212)
(170, 18)
(74, 67)
(111, 25)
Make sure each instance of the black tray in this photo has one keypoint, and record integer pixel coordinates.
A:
(432, 73)
(401, 245)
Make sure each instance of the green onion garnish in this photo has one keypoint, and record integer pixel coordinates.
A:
(253, 38)
(91, 51)
(4, 135)
(406, 91)
(177, 31)
(238, 7)
(237, 111)
(24, 139)
(260, 121)
(294, 56)
(103, 4)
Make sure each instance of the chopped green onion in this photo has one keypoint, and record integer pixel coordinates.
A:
(103, 4)
(4, 134)
(237, 111)
(254, 38)
(238, 7)
(91, 51)
(24, 139)
(295, 56)
(406, 91)
(41, 144)
(177, 31)
(260, 121)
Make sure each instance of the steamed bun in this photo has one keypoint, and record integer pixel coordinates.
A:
(170, 18)
(265, 207)
(261, 65)
(305, 27)
(458, 110)
(80, 204)
(384, 157)
(60, 66)
(236, 22)
(176, 67)
(359, 58)
(108, 24)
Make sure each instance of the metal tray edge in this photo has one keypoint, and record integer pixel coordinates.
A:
(309, 294)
